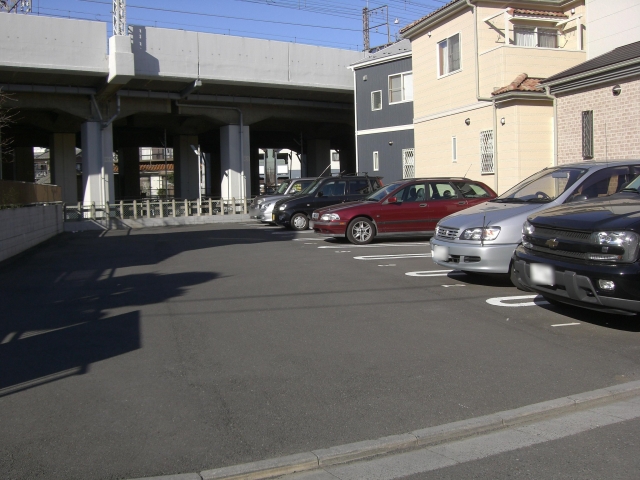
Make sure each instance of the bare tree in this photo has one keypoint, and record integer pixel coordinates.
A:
(6, 117)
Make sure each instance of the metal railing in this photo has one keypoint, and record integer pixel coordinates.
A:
(157, 208)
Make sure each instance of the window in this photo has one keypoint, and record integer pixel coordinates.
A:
(486, 152)
(376, 162)
(441, 191)
(376, 100)
(334, 189)
(449, 55)
(587, 134)
(400, 87)
(408, 163)
(471, 190)
(454, 149)
(535, 37)
(359, 187)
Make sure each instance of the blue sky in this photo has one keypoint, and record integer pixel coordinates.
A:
(332, 23)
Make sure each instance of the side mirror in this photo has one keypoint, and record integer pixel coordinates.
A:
(392, 200)
(578, 198)
(320, 194)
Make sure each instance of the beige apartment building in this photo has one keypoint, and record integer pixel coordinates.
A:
(478, 110)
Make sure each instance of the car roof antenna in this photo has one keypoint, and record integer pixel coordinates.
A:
(328, 167)
(465, 173)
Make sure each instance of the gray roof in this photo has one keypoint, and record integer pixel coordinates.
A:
(403, 46)
(618, 55)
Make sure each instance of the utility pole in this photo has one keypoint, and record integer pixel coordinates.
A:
(15, 6)
(380, 15)
(119, 17)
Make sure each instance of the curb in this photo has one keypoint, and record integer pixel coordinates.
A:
(418, 438)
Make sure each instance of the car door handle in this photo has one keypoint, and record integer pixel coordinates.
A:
(462, 203)
(422, 205)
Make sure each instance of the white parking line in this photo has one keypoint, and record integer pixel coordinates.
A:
(385, 245)
(499, 301)
(565, 324)
(342, 251)
(308, 240)
(456, 285)
(384, 257)
(390, 265)
(291, 232)
(434, 273)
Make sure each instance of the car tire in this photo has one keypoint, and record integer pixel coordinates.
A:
(299, 222)
(361, 231)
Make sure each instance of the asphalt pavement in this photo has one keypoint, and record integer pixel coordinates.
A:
(181, 349)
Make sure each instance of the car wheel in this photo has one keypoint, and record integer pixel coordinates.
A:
(299, 221)
(361, 231)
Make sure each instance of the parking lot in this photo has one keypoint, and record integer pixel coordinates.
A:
(169, 350)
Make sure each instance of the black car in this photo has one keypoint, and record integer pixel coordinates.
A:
(584, 254)
(296, 211)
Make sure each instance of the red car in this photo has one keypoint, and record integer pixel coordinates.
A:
(407, 207)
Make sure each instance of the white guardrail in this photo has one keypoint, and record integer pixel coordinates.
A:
(156, 208)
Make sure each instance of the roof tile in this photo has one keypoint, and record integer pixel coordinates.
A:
(522, 83)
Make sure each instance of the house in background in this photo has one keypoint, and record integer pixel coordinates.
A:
(477, 111)
(598, 107)
(383, 90)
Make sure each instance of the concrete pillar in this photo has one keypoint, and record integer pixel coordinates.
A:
(235, 167)
(129, 168)
(97, 163)
(318, 152)
(62, 148)
(23, 161)
(185, 164)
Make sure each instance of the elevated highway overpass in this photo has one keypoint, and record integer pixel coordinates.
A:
(72, 86)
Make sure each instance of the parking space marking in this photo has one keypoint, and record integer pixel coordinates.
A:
(537, 300)
(308, 240)
(385, 245)
(291, 233)
(343, 251)
(456, 285)
(384, 257)
(566, 324)
(390, 265)
(434, 273)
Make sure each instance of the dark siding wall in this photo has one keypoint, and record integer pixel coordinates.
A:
(378, 79)
(390, 156)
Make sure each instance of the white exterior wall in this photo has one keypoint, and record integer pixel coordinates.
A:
(23, 228)
(611, 24)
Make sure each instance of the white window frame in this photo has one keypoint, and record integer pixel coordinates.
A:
(403, 90)
(536, 36)
(454, 149)
(376, 161)
(373, 109)
(438, 66)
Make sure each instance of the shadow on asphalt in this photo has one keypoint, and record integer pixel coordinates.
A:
(624, 323)
(57, 300)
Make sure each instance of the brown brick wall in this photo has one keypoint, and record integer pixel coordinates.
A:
(618, 116)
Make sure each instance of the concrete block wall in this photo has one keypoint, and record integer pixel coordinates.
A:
(615, 122)
(23, 228)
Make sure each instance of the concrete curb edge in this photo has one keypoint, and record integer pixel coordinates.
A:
(418, 438)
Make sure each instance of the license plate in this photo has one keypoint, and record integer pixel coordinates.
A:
(542, 274)
(440, 253)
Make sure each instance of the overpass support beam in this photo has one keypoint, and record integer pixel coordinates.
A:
(186, 166)
(97, 163)
(318, 153)
(235, 164)
(129, 171)
(23, 160)
(63, 165)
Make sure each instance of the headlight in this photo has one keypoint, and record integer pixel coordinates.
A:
(490, 233)
(328, 217)
(619, 247)
(528, 229)
(259, 201)
(283, 206)
(265, 206)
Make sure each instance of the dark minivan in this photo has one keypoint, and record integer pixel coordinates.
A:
(296, 211)
(585, 254)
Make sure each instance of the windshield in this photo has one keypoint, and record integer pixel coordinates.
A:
(543, 187)
(311, 188)
(635, 185)
(383, 192)
(283, 187)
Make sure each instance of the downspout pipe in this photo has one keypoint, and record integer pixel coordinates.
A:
(547, 90)
(474, 8)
